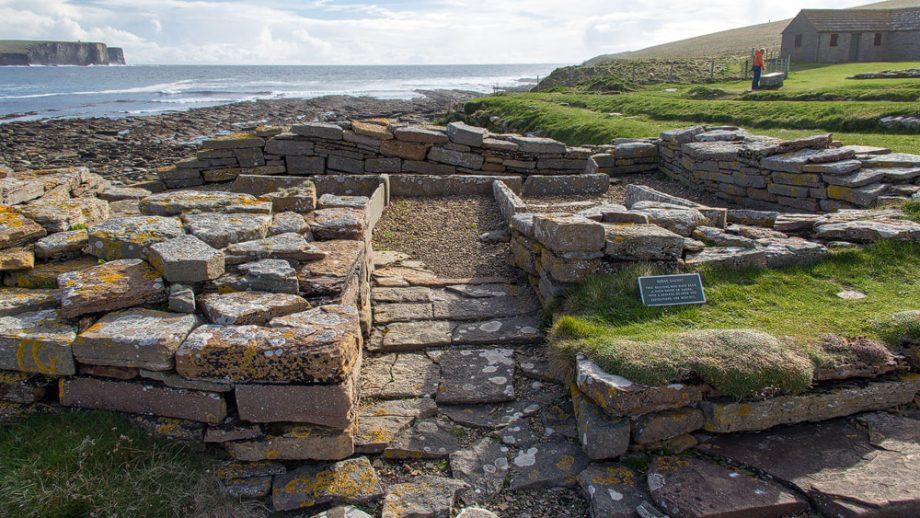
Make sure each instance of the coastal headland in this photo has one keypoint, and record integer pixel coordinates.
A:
(25, 53)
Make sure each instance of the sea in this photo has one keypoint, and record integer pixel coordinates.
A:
(45, 92)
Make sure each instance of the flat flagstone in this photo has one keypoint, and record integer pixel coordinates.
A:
(286, 223)
(835, 464)
(14, 301)
(547, 465)
(412, 336)
(176, 203)
(484, 308)
(869, 231)
(336, 273)
(290, 247)
(520, 434)
(388, 313)
(13, 259)
(384, 295)
(483, 466)
(110, 286)
(143, 398)
(427, 439)
(222, 230)
(515, 330)
(342, 511)
(249, 307)
(687, 486)
(376, 433)
(612, 490)
(478, 291)
(39, 342)
(403, 375)
(427, 496)
(476, 376)
(45, 275)
(130, 237)
(339, 223)
(490, 416)
(136, 337)
(349, 481)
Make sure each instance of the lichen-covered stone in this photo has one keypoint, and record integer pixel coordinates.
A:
(642, 243)
(612, 490)
(290, 247)
(14, 259)
(186, 259)
(298, 198)
(427, 439)
(483, 467)
(338, 223)
(729, 417)
(568, 233)
(351, 481)
(130, 237)
(60, 216)
(143, 398)
(335, 273)
(177, 203)
(869, 231)
(680, 220)
(17, 230)
(37, 342)
(602, 436)
(14, 301)
(110, 286)
(392, 376)
(661, 426)
(222, 230)
(476, 376)
(249, 307)
(295, 442)
(288, 222)
(547, 465)
(332, 201)
(270, 275)
(427, 496)
(45, 275)
(260, 354)
(620, 397)
(136, 337)
(61, 245)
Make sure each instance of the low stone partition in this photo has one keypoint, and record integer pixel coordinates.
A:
(812, 174)
(231, 317)
(419, 160)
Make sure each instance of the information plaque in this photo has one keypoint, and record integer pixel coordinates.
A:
(672, 290)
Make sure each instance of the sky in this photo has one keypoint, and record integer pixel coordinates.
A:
(355, 32)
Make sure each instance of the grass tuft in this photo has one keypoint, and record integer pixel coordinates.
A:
(779, 321)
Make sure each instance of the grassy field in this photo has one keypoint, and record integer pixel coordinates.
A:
(579, 118)
(606, 320)
(99, 464)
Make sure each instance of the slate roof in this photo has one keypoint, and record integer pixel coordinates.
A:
(863, 20)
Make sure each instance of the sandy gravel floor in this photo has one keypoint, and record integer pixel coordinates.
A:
(444, 234)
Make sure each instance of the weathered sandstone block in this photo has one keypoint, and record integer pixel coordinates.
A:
(143, 398)
(37, 342)
(187, 259)
(130, 237)
(110, 286)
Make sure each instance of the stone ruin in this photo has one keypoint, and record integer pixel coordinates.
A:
(238, 301)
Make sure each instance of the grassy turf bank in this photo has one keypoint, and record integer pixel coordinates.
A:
(606, 320)
(99, 464)
(574, 125)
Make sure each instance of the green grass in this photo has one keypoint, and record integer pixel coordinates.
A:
(99, 464)
(576, 125)
(912, 210)
(605, 319)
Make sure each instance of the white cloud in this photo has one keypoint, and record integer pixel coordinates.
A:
(396, 32)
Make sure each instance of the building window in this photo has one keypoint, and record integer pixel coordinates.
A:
(798, 41)
(834, 40)
(878, 39)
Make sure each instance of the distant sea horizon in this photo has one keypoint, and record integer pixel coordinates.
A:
(47, 92)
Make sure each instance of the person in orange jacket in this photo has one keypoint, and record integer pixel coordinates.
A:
(759, 65)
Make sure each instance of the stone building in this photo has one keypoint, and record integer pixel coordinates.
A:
(852, 35)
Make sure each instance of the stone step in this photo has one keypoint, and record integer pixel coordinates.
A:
(419, 335)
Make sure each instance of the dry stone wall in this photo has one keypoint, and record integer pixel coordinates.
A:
(416, 160)
(810, 175)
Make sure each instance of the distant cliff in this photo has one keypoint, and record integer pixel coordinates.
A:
(15, 52)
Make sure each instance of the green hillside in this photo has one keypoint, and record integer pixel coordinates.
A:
(733, 42)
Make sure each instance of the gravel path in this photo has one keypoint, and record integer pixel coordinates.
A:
(444, 234)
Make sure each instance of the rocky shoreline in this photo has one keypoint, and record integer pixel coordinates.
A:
(130, 149)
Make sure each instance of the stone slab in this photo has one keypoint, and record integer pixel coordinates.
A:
(143, 398)
(110, 286)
